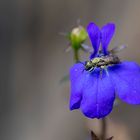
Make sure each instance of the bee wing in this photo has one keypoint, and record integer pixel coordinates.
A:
(117, 49)
(86, 48)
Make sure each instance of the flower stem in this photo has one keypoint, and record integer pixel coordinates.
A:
(103, 129)
(76, 56)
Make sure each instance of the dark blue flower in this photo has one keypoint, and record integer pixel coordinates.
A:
(94, 90)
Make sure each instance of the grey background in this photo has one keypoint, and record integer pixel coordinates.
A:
(33, 104)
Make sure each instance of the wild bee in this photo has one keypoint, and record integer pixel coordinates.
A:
(101, 62)
(104, 60)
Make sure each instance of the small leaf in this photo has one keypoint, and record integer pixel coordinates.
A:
(93, 136)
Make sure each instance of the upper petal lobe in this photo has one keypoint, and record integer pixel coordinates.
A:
(107, 33)
(94, 35)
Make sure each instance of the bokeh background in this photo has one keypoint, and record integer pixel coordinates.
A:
(33, 103)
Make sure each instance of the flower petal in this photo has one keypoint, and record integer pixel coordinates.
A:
(94, 35)
(76, 85)
(98, 95)
(126, 78)
(107, 33)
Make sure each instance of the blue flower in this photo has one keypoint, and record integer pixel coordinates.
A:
(93, 89)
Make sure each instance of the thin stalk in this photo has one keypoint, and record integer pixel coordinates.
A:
(76, 56)
(103, 129)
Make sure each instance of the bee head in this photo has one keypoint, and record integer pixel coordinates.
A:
(88, 65)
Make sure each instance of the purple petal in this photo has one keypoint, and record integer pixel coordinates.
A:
(98, 95)
(107, 33)
(76, 85)
(126, 78)
(94, 35)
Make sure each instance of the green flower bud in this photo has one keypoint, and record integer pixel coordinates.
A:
(77, 37)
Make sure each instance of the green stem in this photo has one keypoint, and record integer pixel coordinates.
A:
(76, 56)
(103, 129)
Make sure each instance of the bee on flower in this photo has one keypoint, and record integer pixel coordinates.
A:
(95, 83)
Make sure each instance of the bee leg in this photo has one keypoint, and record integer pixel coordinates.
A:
(91, 69)
(106, 71)
(101, 71)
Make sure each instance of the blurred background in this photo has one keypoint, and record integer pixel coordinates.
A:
(33, 103)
